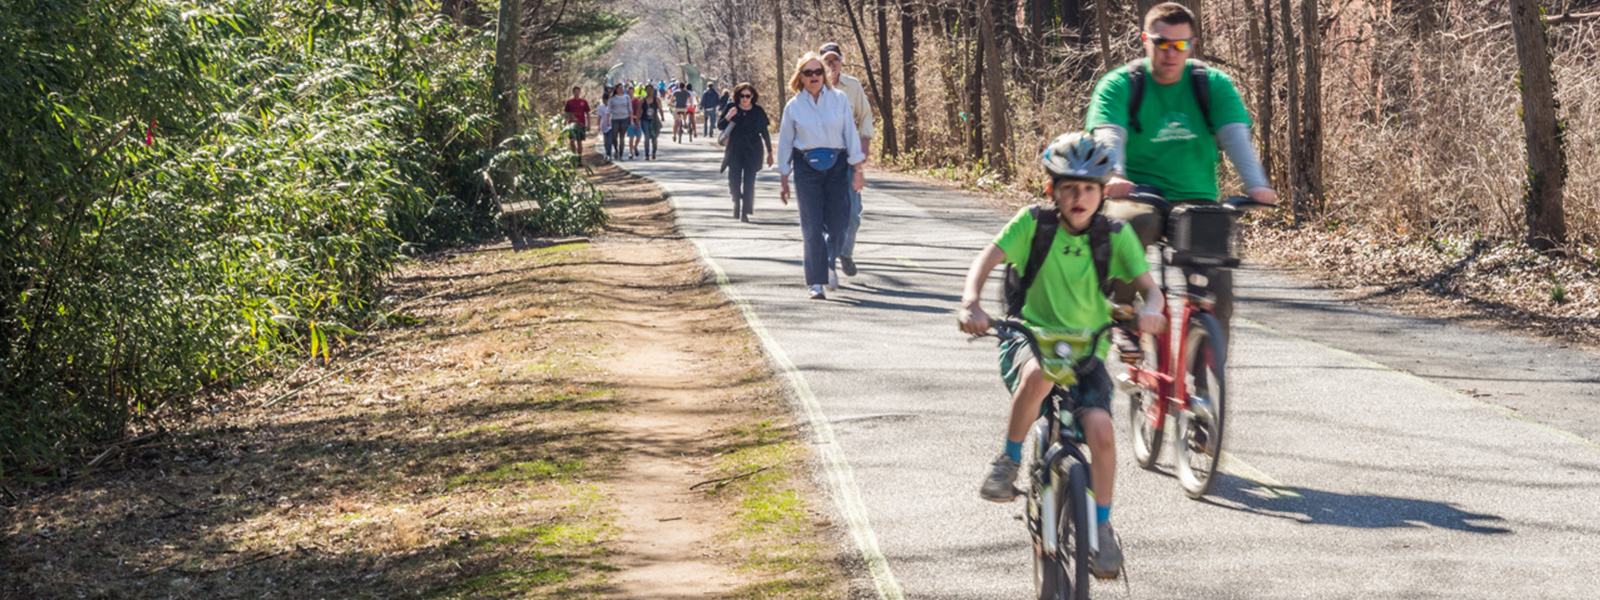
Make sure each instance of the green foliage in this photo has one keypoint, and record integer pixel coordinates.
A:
(568, 203)
(194, 189)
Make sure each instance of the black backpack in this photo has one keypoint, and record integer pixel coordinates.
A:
(1199, 82)
(1100, 229)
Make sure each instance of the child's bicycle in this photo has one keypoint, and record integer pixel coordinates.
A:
(1186, 377)
(1061, 513)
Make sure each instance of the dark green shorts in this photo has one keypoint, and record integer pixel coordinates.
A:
(1094, 384)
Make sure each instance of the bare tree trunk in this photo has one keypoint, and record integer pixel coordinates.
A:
(949, 63)
(507, 36)
(1036, 51)
(1142, 8)
(777, 51)
(866, 60)
(999, 109)
(1311, 141)
(1293, 102)
(974, 121)
(1264, 92)
(891, 146)
(1547, 161)
(908, 60)
(1102, 22)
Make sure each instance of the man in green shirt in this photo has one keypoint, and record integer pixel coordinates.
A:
(1065, 295)
(1171, 143)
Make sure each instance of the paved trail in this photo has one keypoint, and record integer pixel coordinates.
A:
(1360, 470)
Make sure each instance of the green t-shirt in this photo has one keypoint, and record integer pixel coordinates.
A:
(1175, 152)
(1066, 292)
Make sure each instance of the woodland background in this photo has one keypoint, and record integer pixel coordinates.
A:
(1403, 114)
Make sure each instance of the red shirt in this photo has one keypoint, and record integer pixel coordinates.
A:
(578, 111)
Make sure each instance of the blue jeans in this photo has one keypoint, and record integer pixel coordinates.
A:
(824, 199)
(652, 129)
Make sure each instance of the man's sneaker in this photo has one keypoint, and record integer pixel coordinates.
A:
(1107, 563)
(1001, 485)
(816, 293)
(848, 265)
(833, 280)
(1127, 344)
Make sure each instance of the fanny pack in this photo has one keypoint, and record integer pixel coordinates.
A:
(822, 159)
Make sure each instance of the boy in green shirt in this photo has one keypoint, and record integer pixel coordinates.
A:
(1065, 294)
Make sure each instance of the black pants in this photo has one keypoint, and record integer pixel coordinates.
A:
(743, 163)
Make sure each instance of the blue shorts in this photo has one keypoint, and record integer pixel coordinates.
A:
(1094, 383)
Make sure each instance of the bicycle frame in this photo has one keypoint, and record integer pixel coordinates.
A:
(1064, 444)
(1171, 375)
(1170, 379)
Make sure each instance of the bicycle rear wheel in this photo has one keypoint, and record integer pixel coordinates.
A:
(1200, 425)
(1147, 430)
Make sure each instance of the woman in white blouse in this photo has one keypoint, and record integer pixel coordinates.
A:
(817, 142)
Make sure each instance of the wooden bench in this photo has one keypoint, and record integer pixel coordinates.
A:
(512, 216)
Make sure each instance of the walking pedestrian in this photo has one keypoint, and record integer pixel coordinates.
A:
(710, 106)
(603, 113)
(818, 143)
(861, 110)
(747, 143)
(577, 110)
(650, 121)
(621, 104)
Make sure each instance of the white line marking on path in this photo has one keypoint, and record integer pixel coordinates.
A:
(832, 457)
(1234, 465)
(1424, 381)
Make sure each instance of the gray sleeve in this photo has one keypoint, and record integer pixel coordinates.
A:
(1117, 138)
(1235, 141)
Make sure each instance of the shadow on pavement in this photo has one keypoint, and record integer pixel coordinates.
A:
(1315, 507)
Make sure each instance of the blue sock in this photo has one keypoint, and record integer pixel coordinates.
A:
(1014, 450)
(1102, 513)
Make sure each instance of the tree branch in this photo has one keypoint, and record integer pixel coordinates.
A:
(1561, 19)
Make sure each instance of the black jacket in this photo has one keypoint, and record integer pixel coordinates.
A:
(749, 136)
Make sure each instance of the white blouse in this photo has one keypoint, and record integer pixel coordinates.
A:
(821, 122)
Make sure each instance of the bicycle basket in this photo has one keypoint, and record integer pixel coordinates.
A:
(1202, 235)
(1060, 352)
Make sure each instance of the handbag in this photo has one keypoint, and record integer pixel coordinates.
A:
(822, 159)
(722, 138)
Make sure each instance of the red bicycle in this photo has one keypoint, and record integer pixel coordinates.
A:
(1182, 372)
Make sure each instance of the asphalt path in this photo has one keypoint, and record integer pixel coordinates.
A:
(1371, 455)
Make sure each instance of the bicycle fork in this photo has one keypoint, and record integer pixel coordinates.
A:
(1049, 509)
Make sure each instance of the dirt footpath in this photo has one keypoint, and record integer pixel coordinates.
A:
(579, 421)
(704, 409)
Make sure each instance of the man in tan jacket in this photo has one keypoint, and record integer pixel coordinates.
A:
(833, 59)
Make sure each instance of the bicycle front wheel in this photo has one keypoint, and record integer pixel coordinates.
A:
(1146, 420)
(1200, 424)
(1065, 574)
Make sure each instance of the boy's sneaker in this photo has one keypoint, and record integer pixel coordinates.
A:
(1127, 345)
(816, 293)
(848, 265)
(833, 280)
(1107, 563)
(1001, 485)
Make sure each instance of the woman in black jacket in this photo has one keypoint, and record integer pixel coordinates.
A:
(742, 158)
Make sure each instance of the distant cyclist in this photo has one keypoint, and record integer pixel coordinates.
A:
(1066, 294)
(682, 117)
(1170, 143)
